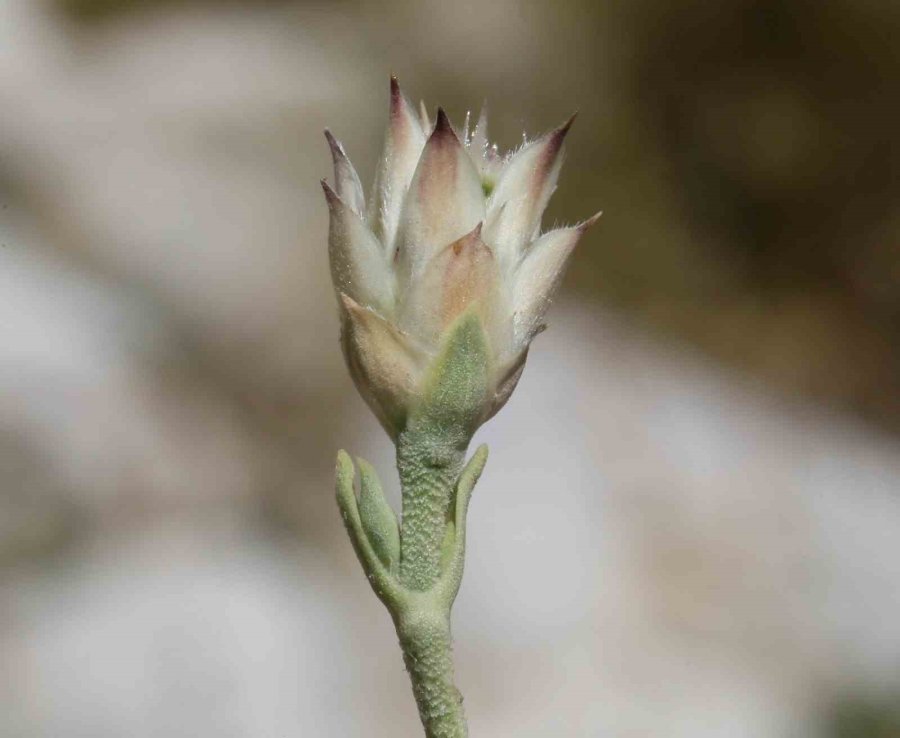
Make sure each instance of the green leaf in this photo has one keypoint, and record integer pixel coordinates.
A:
(448, 545)
(456, 389)
(378, 519)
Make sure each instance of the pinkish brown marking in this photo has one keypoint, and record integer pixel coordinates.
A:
(468, 275)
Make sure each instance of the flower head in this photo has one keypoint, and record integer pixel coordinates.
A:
(446, 262)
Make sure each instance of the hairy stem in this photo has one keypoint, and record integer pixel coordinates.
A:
(420, 592)
(426, 644)
(429, 464)
(429, 461)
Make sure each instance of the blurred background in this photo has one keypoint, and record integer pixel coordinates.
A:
(690, 523)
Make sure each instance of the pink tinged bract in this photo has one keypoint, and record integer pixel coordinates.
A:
(462, 274)
(359, 266)
(523, 191)
(403, 145)
(538, 277)
(445, 201)
(386, 365)
(346, 180)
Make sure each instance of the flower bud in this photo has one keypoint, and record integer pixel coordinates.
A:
(444, 278)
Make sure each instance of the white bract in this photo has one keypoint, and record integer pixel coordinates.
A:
(451, 228)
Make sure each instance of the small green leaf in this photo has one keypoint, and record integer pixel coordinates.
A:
(448, 545)
(378, 518)
(344, 475)
(453, 548)
(456, 389)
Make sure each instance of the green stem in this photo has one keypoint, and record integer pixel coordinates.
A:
(427, 652)
(429, 464)
(420, 595)
(419, 590)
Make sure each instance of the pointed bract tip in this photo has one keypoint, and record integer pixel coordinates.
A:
(333, 143)
(360, 311)
(582, 227)
(330, 195)
(347, 301)
(470, 240)
(399, 109)
(564, 128)
(442, 127)
(557, 135)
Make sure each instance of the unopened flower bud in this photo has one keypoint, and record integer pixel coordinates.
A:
(445, 273)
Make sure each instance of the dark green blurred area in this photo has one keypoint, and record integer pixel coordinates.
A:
(779, 141)
(97, 11)
(866, 719)
(746, 161)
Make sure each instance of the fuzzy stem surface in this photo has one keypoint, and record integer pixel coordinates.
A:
(427, 652)
(419, 592)
(429, 463)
